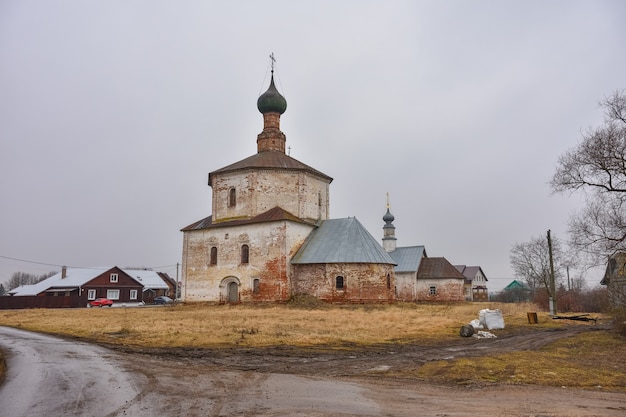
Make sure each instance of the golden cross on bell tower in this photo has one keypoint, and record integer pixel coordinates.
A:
(387, 200)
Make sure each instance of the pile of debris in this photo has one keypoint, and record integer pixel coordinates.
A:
(579, 317)
(487, 319)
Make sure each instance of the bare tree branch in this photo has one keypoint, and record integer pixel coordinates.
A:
(530, 262)
(24, 278)
(597, 166)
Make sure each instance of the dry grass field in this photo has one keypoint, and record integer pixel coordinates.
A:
(587, 360)
(299, 324)
(593, 360)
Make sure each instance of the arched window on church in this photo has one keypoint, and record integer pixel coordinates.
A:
(232, 197)
(339, 282)
(388, 281)
(213, 256)
(255, 286)
(245, 254)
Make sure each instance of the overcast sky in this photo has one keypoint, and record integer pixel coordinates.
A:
(112, 113)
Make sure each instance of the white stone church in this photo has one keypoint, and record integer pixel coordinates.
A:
(269, 238)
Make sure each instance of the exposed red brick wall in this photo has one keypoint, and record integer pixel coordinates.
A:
(362, 282)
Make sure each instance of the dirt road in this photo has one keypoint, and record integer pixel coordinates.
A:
(287, 381)
(47, 376)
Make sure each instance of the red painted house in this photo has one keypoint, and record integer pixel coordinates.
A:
(75, 287)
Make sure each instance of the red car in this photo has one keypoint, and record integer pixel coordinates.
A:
(100, 302)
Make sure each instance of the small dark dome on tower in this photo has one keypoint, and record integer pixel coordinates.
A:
(388, 217)
(271, 101)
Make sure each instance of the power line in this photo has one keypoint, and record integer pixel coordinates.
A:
(162, 267)
(74, 266)
(27, 261)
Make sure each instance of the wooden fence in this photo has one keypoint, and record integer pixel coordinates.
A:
(21, 302)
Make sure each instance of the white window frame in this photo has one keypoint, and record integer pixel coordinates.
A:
(133, 294)
(114, 278)
(91, 294)
(432, 290)
(113, 294)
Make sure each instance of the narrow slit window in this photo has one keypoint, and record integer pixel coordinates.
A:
(232, 197)
(213, 256)
(245, 254)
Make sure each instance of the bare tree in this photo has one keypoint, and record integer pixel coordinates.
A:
(531, 262)
(597, 167)
(24, 278)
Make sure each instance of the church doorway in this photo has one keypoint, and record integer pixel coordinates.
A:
(233, 292)
(229, 290)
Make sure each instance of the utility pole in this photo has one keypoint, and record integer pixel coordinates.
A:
(177, 283)
(552, 289)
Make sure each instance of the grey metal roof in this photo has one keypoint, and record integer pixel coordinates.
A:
(341, 241)
(408, 258)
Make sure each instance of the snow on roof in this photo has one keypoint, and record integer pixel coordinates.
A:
(149, 279)
(76, 277)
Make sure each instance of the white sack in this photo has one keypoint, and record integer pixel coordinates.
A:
(476, 324)
(491, 319)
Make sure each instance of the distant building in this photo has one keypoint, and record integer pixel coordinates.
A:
(408, 260)
(475, 283)
(75, 287)
(418, 277)
(516, 291)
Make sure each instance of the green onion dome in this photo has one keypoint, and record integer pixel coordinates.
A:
(271, 101)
